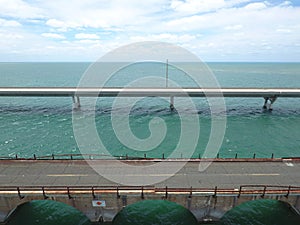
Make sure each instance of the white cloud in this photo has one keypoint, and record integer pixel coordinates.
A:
(196, 6)
(101, 14)
(53, 35)
(9, 23)
(286, 3)
(203, 6)
(55, 23)
(7, 36)
(234, 27)
(283, 30)
(19, 9)
(252, 20)
(60, 25)
(256, 6)
(210, 28)
(165, 37)
(86, 36)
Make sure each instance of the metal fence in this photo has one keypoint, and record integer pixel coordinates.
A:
(164, 192)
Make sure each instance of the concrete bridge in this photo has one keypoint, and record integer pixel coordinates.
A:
(208, 194)
(146, 91)
(270, 94)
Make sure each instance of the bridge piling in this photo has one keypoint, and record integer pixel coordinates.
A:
(172, 103)
(76, 102)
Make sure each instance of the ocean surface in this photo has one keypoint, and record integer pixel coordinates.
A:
(43, 126)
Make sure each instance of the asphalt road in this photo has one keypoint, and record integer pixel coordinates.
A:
(224, 174)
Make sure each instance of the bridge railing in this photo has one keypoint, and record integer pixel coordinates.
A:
(94, 156)
(268, 189)
(164, 192)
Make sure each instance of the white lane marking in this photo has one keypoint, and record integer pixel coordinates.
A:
(262, 174)
(254, 174)
(180, 174)
(67, 175)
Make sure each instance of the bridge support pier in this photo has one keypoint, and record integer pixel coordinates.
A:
(76, 102)
(269, 102)
(172, 103)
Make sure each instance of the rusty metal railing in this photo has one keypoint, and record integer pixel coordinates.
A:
(165, 192)
(268, 189)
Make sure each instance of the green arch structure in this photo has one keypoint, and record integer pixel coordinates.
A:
(263, 211)
(155, 212)
(46, 212)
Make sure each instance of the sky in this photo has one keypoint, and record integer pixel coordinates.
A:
(214, 30)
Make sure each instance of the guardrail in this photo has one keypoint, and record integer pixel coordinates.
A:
(69, 191)
(78, 156)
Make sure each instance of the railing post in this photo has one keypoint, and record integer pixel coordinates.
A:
(69, 195)
(166, 194)
(263, 195)
(34, 156)
(19, 193)
(215, 192)
(118, 195)
(288, 193)
(52, 156)
(142, 194)
(254, 156)
(236, 155)
(240, 191)
(93, 193)
(272, 156)
(16, 156)
(191, 192)
(44, 193)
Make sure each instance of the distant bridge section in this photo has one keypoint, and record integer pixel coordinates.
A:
(149, 92)
(269, 94)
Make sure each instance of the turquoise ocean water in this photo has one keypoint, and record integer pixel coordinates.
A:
(43, 126)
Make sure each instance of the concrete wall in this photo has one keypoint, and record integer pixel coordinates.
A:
(204, 207)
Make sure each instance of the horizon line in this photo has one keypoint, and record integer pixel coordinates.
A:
(85, 61)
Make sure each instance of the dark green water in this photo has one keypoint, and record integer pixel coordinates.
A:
(155, 212)
(46, 212)
(261, 212)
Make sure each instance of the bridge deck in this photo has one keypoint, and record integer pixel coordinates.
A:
(224, 174)
(142, 92)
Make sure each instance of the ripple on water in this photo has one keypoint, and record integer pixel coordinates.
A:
(261, 212)
(155, 212)
(46, 212)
